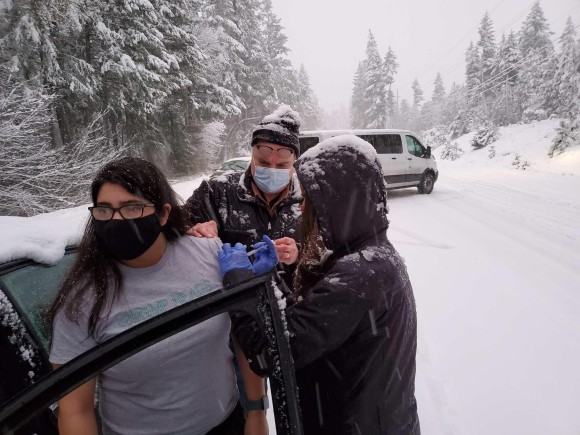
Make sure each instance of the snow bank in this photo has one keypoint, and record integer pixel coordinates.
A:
(520, 146)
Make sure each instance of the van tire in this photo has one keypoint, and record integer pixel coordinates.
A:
(427, 183)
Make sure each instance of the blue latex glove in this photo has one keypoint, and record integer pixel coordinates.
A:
(231, 258)
(265, 259)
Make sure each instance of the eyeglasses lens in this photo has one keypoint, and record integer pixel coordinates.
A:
(127, 212)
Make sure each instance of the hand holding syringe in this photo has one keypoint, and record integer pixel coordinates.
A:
(253, 251)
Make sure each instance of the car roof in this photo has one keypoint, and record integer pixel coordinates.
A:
(242, 158)
(359, 131)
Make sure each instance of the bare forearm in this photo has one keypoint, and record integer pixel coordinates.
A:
(254, 384)
(82, 423)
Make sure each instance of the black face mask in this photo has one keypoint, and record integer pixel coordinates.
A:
(128, 239)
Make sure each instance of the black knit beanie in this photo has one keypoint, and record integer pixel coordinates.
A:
(281, 127)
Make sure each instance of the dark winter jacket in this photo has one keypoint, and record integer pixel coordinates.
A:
(354, 335)
(243, 217)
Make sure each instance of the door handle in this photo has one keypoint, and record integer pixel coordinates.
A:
(409, 158)
(393, 158)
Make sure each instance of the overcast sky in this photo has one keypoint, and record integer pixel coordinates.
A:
(329, 37)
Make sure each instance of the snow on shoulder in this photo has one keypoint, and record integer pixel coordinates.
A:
(345, 143)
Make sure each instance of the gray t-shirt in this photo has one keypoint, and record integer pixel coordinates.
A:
(182, 385)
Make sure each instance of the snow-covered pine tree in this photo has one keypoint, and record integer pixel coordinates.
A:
(307, 104)
(535, 32)
(438, 90)
(29, 41)
(357, 102)
(417, 94)
(473, 73)
(486, 49)
(568, 75)
(375, 92)
(434, 116)
(537, 52)
(284, 77)
(506, 108)
(258, 89)
(416, 106)
(454, 103)
(391, 66)
(405, 114)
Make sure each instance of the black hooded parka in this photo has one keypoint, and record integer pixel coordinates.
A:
(354, 334)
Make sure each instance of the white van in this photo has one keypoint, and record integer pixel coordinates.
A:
(406, 162)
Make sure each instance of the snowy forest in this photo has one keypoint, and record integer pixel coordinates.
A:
(522, 77)
(179, 82)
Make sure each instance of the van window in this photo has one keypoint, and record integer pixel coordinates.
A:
(307, 142)
(414, 146)
(384, 143)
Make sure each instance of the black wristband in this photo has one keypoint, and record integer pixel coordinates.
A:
(258, 405)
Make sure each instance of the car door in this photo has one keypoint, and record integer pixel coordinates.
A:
(256, 296)
(417, 163)
(26, 289)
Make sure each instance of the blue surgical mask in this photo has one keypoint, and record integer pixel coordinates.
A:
(271, 180)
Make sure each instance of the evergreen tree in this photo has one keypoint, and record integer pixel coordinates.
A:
(486, 49)
(357, 104)
(507, 59)
(536, 90)
(568, 74)
(434, 115)
(417, 94)
(375, 91)
(307, 104)
(391, 67)
(535, 33)
(405, 114)
(438, 90)
(472, 72)
(506, 108)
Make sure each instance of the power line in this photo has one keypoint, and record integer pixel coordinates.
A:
(466, 35)
(493, 65)
(492, 79)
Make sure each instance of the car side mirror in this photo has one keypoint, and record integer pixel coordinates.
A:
(428, 153)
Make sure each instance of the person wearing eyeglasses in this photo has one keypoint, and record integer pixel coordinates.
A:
(242, 207)
(135, 262)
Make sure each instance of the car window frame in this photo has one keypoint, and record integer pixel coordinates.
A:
(384, 143)
(418, 149)
(256, 296)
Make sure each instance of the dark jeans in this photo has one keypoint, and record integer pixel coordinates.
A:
(233, 425)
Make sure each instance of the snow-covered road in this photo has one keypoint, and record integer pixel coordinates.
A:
(494, 257)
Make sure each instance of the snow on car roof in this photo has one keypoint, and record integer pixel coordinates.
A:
(244, 158)
(43, 237)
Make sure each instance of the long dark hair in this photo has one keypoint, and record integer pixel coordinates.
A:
(310, 267)
(95, 270)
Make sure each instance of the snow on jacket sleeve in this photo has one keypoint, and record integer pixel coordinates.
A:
(200, 206)
(324, 320)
